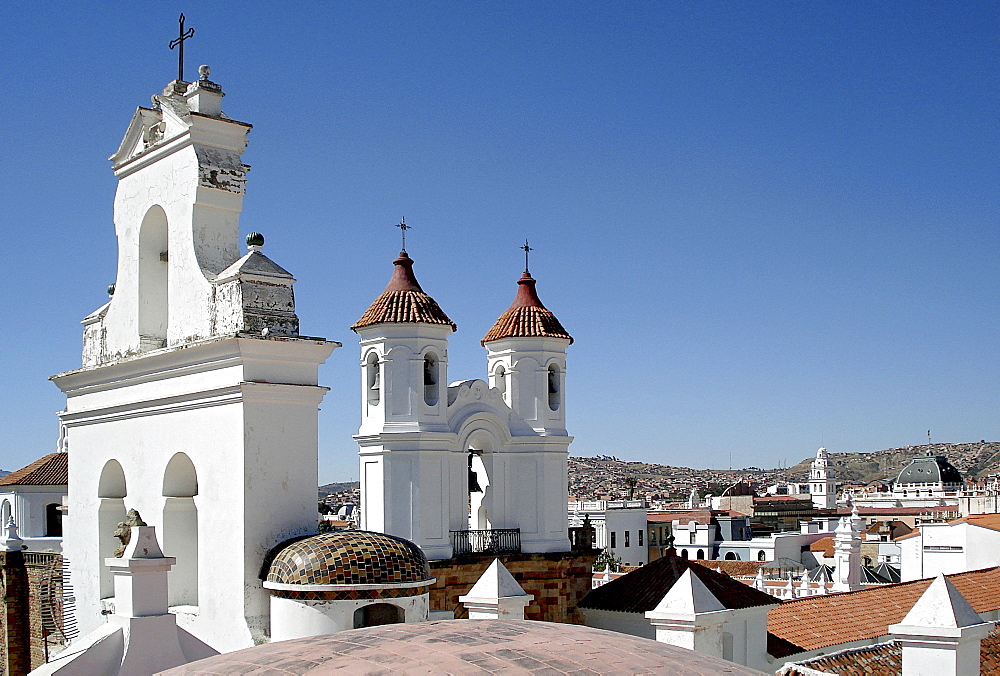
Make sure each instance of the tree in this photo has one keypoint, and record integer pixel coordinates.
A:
(630, 483)
(607, 558)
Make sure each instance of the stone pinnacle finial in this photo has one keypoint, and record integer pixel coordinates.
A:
(11, 541)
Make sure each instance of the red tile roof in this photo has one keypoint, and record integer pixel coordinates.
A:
(824, 545)
(526, 317)
(991, 521)
(883, 658)
(822, 621)
(733, 568)
(52, 470)
(403, 301)
(643, 589)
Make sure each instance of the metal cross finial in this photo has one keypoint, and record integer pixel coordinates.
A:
(525, 249)
(182, 35)
(403, 227)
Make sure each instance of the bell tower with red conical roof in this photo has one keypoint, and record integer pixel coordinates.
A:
(527, 360)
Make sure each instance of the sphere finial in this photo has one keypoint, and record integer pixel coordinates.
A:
(204, 71)
(111, 290)
(255, 241)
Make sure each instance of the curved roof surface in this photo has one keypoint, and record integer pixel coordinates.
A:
(403, 301)
(641, 590)
(51, 470)
(526, 317)
(350, 557)
(463, 647)
(930, 469)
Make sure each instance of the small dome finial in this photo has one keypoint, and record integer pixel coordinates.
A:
(111, 290)
(204, 71)
(255, 241)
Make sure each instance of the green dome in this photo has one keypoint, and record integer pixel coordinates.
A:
(255, 239)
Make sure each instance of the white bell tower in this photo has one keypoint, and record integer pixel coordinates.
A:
(526, 359)
(822, 482)
(406, 466)
(197, 400)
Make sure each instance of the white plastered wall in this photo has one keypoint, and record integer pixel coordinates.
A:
(252, 443)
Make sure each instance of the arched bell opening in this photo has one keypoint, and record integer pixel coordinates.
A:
(154, 285)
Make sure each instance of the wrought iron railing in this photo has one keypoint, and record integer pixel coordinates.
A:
(494, 541)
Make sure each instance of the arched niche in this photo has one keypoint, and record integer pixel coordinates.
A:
(373, 379)
(180, 480)
(112, 481)
(153, 279)
(111, 494)
(180, 529)
(432, 378)
(479, 445)
(53, 520)
(5, 512)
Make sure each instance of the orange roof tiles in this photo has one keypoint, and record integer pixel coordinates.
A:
(733, 568)
(52, 470)
(883, 658)
(823, 621)
(824, 545)
(991, 521)
(526, 317)
(403, 301)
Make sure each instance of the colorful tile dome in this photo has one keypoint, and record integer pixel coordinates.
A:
(403, 301)
(526, 317)
(350, 558)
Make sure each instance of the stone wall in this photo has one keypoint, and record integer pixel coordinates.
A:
(558, 581)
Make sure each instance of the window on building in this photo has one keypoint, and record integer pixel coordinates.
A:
(762, 555)
(639, 533)
(373, 380)
(627, 542)
(53, 521)
(614, 539)
(701, 555)
(691, 536)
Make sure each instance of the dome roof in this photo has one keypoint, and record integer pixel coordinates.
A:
(526, 317)
(350, 557)
(929, 469)
(403, 301)
(464, 647)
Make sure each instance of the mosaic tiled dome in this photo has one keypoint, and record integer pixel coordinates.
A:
(350, 557)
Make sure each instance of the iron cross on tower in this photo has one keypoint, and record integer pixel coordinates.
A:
(182, 35)
(525, 249)
(403, 227)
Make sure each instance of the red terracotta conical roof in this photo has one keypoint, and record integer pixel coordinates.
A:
(403, 301)
(526, 317)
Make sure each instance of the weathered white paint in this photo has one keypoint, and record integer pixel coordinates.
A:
(415, 454)
(185, 408)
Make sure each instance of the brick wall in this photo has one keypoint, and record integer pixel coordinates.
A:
(558, 581)
(26, 616)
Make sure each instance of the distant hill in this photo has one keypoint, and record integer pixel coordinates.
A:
(3, 473)
(975, 459)
(328, 489)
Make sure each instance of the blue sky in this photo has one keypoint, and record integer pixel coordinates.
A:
(769, 226)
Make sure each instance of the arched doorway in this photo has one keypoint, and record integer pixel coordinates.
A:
(732, 556)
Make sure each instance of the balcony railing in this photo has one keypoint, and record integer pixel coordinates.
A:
(495, 541)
